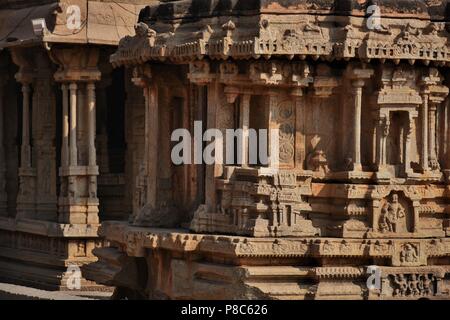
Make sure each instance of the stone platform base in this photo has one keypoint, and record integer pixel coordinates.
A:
(146, 263)
(46, 255)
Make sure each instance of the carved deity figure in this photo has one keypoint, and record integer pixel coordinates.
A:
(409, 254)
(425, 284)
(402, 285)
(414, 285)
(391, 214)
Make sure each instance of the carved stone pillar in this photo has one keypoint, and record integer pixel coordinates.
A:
(26, 197)
(358, 74)
(25, 149)
(416, 213)
(65, 127)
(27, 175)
(383, 128)
(273, 125)
(92, 156)
(142, 78)
(245, 125)
(357, 91)
(210, 179)
(73, 150)
(153, 144)
(44, 137)
(78, 203)
(300, 124)
(433, 159)
(407, 147)
(424, 149)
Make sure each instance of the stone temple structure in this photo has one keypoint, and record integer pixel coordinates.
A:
(65, 153)
(358, 90)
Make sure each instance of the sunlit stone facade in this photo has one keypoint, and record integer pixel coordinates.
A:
(363, 172)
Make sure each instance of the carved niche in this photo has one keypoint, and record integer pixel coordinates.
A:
(396, 215)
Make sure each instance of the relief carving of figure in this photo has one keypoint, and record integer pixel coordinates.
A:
(401, 285)
(409, 254)
(425, 284)
(412, 285)
(392, 214)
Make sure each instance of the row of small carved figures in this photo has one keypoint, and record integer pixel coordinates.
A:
(413, 284)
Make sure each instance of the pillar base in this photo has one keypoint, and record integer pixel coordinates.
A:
(39, 253)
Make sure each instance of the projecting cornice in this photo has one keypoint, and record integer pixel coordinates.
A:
(188, 30)
(100, 22)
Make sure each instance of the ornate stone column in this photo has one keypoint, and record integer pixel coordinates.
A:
(274, 142)
(65, 126)
(425, 123)
(357, 87)
(25, 149)
(26, 199)
(44, 137)
(433, 94)
(78, 203)
(358, 75)
(153, 144)
(73, 150)
(433, 159)
(245, 125)
(211, 170)
(383, 128)
(408, 137)
(92, 156)
(300, 136)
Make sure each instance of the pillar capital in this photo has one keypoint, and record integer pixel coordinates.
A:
(73, 86)
(359, 71)
(76, 64)
(90, 86)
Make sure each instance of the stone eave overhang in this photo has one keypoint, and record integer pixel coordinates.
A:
(136, 240)
(286, 34)
(105, 23)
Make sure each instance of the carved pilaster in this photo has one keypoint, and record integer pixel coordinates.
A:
(44, 137)
(408, 139)
(383, 129)
(433, 94)
(26, 198)
(433, 159)
(245, 126)
(424, 148)
(358, 74)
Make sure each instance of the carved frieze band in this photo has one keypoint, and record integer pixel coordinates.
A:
(309, 36)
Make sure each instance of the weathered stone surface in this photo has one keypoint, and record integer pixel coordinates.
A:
(363, 172)
(49, 193)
